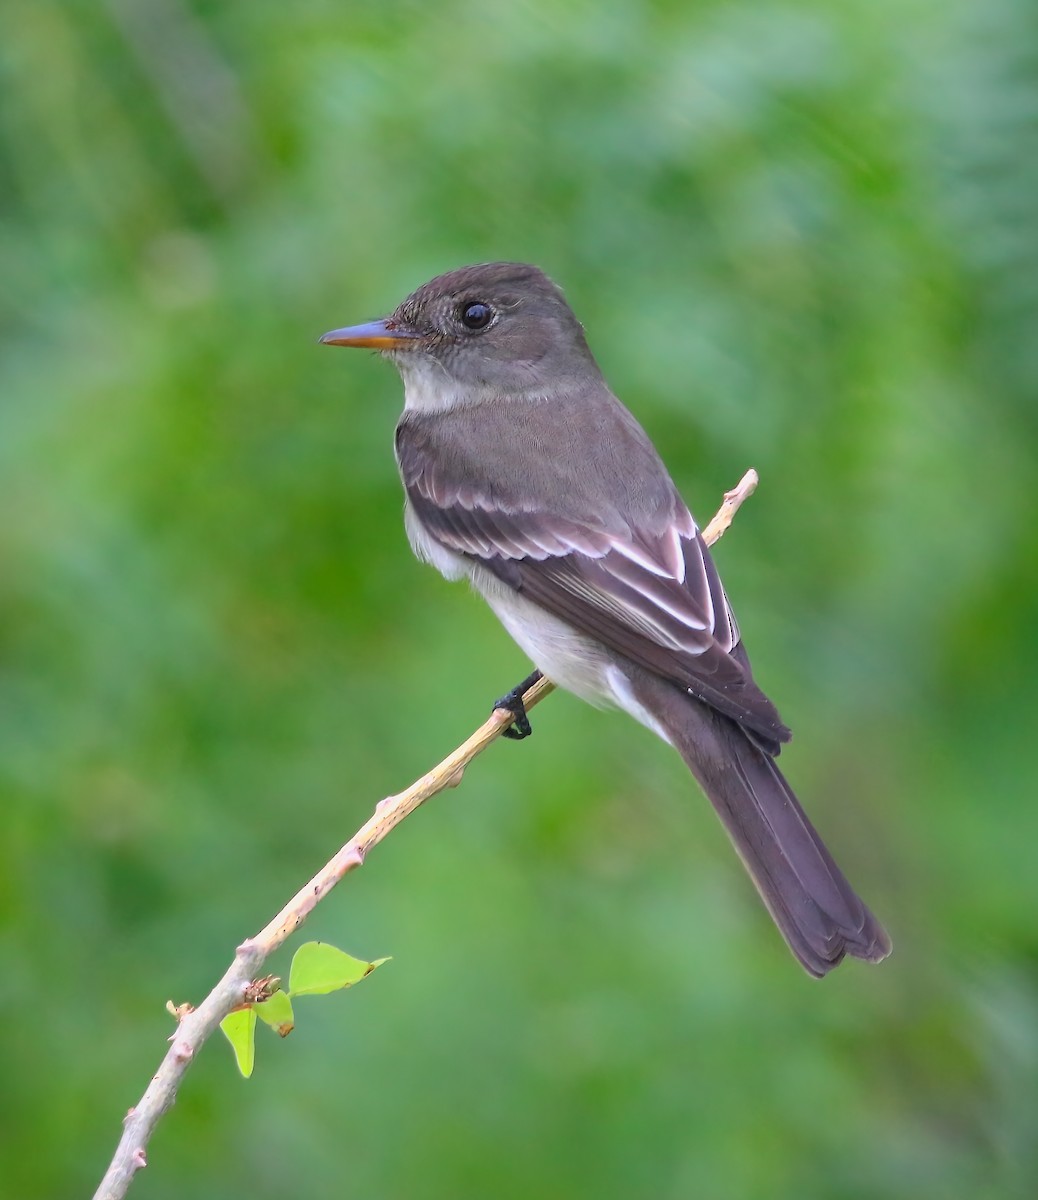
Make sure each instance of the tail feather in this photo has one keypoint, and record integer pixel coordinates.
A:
(815, 908)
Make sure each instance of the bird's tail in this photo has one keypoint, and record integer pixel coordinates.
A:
(816, 909)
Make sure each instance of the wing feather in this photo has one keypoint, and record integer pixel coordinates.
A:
(649, 589)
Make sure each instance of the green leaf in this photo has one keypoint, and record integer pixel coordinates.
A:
(240, 1030)
(277, 1013)
(318, 968)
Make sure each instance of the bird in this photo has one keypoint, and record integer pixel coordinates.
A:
(524, 474)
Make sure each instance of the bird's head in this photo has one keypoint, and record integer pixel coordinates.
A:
(490, 331)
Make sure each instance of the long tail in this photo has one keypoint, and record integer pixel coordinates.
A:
(816, 909)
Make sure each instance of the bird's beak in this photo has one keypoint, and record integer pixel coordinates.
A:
(375, 335)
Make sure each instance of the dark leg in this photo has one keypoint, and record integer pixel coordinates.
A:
(513, 702)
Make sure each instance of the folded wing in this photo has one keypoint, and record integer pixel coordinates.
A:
(650, 593)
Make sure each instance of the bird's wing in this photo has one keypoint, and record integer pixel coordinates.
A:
(649, 591)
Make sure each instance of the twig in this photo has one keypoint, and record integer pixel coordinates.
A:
(196, 1024)
(724, 516)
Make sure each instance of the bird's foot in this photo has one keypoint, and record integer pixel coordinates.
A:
(513, 702)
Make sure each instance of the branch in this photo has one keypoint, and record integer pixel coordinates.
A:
(724, 516)
(197, 1024)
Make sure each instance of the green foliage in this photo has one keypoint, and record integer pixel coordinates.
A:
(239, 1028)
(277, 1013)
(317, 969)
(801, 236)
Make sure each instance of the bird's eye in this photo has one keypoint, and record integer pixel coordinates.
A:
(475, 315)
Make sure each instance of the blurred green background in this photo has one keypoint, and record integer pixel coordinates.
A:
(802, 237)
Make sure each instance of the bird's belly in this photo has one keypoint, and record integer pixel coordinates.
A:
(574, 662)
(567, 658)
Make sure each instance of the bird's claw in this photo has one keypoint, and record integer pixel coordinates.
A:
(512, 702)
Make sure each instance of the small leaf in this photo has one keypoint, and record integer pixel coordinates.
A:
(277, 1013)
(318, 968)
(240, 1030)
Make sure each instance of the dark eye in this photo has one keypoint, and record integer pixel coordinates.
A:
(475, 315)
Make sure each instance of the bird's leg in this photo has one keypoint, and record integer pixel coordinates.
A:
(513, 702)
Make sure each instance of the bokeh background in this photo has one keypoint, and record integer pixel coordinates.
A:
(802, 237)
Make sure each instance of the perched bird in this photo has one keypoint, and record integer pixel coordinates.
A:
(525, 475)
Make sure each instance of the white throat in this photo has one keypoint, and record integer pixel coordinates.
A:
(427, 385)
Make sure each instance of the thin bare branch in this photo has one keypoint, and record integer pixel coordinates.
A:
(195, 1025)
(724, 516)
